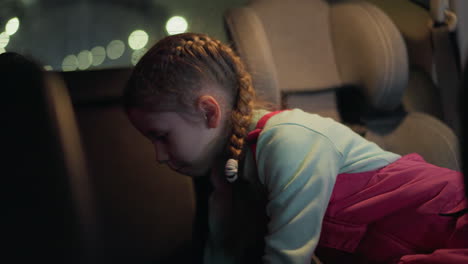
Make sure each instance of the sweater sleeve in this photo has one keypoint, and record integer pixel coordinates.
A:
(298, 166)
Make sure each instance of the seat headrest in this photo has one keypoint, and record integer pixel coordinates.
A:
(370, 52)
(316, 45)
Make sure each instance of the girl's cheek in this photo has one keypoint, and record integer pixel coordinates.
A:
(187, 153)
(176, 153)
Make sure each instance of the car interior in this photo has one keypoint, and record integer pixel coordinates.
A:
(390, 70)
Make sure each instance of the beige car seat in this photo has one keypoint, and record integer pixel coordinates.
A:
(436, 35)
(308, 53)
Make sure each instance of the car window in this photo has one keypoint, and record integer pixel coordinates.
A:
(70, 35)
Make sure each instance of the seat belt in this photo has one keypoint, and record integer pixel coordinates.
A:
(447, 70)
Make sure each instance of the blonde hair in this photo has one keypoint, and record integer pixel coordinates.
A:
(175, 69)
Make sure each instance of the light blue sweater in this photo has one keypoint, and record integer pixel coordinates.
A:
(298, 158)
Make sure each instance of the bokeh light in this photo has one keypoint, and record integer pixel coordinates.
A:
(12, 26)
(115, 49)
(48, 68)
(70, 63)
(99, 55)
(138, 39)
(176, 25)
(4, 39)
(137, 54)
(85, 59)
(2, 50)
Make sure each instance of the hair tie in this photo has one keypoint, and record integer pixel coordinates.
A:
(231, 170)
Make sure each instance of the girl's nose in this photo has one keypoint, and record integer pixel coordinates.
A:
(161, 152)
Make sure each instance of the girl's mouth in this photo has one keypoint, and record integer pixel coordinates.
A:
(174, 167)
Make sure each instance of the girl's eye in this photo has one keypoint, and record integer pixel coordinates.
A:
(157, 136)
(160, 138)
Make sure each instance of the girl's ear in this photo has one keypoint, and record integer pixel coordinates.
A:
(210, 109)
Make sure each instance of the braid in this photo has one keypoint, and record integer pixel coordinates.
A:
(242, 113)
(243, 106)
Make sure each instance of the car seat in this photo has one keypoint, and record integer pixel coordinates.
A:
(436, 35)
(50, 207)
(341, 59)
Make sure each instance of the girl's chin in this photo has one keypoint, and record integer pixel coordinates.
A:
(193, 170)
(190, 172)
(196, 174)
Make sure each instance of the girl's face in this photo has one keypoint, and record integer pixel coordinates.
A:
(186, 146)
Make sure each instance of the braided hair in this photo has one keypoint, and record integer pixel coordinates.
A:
(178, 65)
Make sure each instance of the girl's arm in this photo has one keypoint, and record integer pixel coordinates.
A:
(298, 166)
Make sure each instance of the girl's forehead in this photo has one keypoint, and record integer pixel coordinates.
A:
(148, 119)
(151, 116)
(158, 119)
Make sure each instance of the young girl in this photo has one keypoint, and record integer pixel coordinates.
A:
(288, 184)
